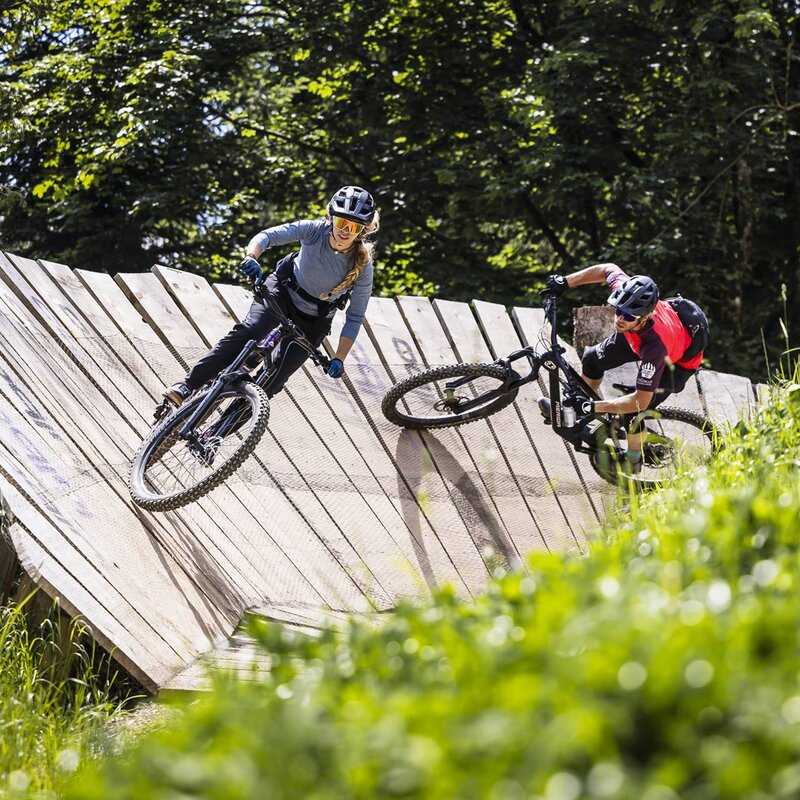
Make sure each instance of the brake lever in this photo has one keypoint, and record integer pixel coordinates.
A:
(257, 287)
(321, 360)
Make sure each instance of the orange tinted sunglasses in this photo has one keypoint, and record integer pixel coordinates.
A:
(347, 225)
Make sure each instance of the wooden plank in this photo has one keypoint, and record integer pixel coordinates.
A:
(525, 468)
(441, 491)
(145, 371)
(197, 300)
(727, 398)
(534, 330)
(297, 537)
(86, 433)
(62, 560)
(330, 510)
(237, 550)
(39, 295)
(240, 531)
(241, 656)
(151, 300)
(445, 450)
(478, 440)
(236, 299)
(362, 526)
(127, 459)
(312, 620)
(355, 404)
(75, 492)
(286, 533)
(558, 463)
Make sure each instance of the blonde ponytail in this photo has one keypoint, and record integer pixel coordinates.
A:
(361, 253)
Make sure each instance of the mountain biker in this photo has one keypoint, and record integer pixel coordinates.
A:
(333, 265)
(647, 330)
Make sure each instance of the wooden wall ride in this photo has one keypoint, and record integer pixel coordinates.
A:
(338, 511)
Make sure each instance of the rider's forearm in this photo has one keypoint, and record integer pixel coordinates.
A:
(344, 347)
(594, 274)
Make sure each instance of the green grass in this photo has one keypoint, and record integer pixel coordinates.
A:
(663, 665)
(55, 700)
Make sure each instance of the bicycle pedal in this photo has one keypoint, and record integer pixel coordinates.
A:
(162, 409)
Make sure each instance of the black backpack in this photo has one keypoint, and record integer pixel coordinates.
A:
(695, 321)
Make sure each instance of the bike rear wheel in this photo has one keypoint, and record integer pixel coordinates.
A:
(675, 438)
(168, 472)
(424, 401)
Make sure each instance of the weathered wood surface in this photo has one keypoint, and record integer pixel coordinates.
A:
(337, 512)
(535, 332)
(558, 462)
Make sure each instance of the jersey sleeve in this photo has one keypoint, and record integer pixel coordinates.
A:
(302, 230)
(615, 276)
(653, 355)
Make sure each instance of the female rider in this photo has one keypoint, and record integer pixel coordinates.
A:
(334, 263)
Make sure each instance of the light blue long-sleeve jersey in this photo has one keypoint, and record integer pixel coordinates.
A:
(319, 268)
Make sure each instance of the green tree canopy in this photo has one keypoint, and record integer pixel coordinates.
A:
(503, 140)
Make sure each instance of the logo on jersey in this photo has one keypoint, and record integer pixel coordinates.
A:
(647, 371)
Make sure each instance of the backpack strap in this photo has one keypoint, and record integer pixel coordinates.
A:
(284, 271)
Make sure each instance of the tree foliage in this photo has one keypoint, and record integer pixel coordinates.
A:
(504, 139)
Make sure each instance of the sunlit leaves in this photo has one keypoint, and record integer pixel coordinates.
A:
(654, 135)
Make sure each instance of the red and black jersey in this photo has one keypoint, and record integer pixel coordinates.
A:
(663, 339)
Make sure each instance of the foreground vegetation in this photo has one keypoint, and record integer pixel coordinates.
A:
(55, 701)
(663, 665)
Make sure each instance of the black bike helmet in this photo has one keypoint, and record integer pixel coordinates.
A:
(353, 203)
(637, 296)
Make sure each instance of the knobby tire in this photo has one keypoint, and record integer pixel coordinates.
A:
(702, 423)
(393, 405)
(156, 446)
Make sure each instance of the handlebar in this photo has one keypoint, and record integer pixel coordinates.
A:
(316, 355)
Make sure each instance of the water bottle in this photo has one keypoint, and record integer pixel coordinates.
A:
(568, 415)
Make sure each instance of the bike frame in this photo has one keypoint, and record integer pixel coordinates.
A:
(265, 347)
(558, 368)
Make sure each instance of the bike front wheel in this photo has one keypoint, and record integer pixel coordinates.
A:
(676, 438)
(169, 471)
(442, 397)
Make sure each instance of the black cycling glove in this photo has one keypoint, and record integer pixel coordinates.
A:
(556, 285)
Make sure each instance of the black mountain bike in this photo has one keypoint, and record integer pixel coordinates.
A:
(194, 448)
(442, 397)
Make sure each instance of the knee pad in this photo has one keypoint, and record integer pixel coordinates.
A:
(591, 363)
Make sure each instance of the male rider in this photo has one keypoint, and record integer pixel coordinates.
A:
(647, 330)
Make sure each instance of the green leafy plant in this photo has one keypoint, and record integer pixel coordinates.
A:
(57, 693)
